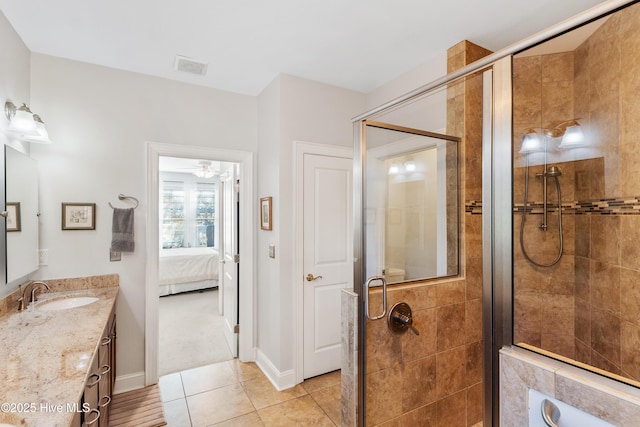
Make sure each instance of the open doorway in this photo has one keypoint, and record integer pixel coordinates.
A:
(241, 224)
(195, 226)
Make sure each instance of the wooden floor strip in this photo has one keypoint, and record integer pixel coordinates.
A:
(139, 408)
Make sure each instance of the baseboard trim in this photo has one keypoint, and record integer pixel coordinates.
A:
(129, 382)
(280, 380)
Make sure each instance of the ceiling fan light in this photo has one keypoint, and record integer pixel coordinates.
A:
(204, 170)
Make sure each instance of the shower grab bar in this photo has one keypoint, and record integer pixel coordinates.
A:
(550, 413)
(367, 286)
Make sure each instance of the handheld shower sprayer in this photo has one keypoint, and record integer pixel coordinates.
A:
(547, 172)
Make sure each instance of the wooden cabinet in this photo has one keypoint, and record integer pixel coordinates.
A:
(107, 369)
(96, 399)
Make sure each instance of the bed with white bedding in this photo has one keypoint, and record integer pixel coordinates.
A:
(187, 269)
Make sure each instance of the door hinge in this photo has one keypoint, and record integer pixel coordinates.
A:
(236, 258)
(236, 329)
(236, 186)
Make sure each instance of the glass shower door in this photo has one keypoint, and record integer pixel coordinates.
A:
(421, 362)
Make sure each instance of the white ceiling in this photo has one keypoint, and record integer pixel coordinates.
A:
(354, 44)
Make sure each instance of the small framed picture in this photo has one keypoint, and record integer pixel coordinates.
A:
(78, 216)
(13, 216)
(265, 213)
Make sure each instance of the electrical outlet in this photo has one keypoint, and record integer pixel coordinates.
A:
(43, 256)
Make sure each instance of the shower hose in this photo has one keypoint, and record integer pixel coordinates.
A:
(524, 215)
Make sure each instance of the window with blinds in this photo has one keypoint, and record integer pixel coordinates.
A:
(188, 214)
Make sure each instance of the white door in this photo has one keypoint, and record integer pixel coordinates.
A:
(327, 258)
(229, 250)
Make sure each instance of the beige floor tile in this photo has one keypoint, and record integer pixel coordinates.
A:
(207, 378)
(250, 420)
(262, 393)
(221, 404)
(245, 371)
(171, 387)
(329, 400)
(176, 413)
(302, 411)
(321, 381)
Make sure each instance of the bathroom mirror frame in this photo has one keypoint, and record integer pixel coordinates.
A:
(18, 249)
(3, 223)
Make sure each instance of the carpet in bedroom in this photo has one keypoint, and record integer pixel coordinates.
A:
(191, 333)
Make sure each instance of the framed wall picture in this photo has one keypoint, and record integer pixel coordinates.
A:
(78, 216)
(265, 213)
(13, 216)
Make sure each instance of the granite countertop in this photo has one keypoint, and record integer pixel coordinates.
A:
(45, 358)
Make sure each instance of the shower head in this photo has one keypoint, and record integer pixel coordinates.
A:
(553, 171)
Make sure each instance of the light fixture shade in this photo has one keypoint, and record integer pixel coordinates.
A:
(43, 136)
(394, 169)
(573, 137)
(22, 122)
(410, 166)
(204, 170)
(531, 142)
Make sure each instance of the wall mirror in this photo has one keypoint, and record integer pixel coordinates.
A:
(576, 183)
(411, 207)
(21, 174)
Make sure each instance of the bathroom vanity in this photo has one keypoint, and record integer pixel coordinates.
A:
(58, 358)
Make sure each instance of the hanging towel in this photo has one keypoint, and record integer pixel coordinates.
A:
(122, 230)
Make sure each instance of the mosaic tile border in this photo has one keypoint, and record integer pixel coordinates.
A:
(613, 206)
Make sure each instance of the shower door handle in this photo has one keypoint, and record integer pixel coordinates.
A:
(367, 286)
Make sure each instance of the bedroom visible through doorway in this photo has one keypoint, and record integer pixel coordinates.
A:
(196, 225)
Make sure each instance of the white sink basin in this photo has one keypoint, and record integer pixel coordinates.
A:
(65, 303)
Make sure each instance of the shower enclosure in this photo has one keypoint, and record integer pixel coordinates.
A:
(575, 126)
(420, 243)
(545, 233)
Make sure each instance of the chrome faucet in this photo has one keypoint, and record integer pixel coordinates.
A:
(30, 287)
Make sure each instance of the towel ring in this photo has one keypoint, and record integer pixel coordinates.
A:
(123, 197)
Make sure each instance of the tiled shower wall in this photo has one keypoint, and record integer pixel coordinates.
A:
(587, 307)
(544, 297)
(435, 378)
(607, 254)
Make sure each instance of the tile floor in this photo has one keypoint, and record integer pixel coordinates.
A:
(238, 394)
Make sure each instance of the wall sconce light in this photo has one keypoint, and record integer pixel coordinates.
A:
(410, 166)
(394, 169)
(532, 141)
(204, 170)
(28, 126)
(570, 131)
(573, 135)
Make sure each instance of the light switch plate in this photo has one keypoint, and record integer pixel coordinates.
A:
(43, 256)
(272, 251)
(115, 256)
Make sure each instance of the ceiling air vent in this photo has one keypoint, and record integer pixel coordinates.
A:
(191, 66)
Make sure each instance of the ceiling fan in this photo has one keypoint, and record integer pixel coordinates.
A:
(205, 170)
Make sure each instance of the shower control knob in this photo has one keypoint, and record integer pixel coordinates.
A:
(400, 319)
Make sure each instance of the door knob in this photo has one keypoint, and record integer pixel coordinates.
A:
(311, 277)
